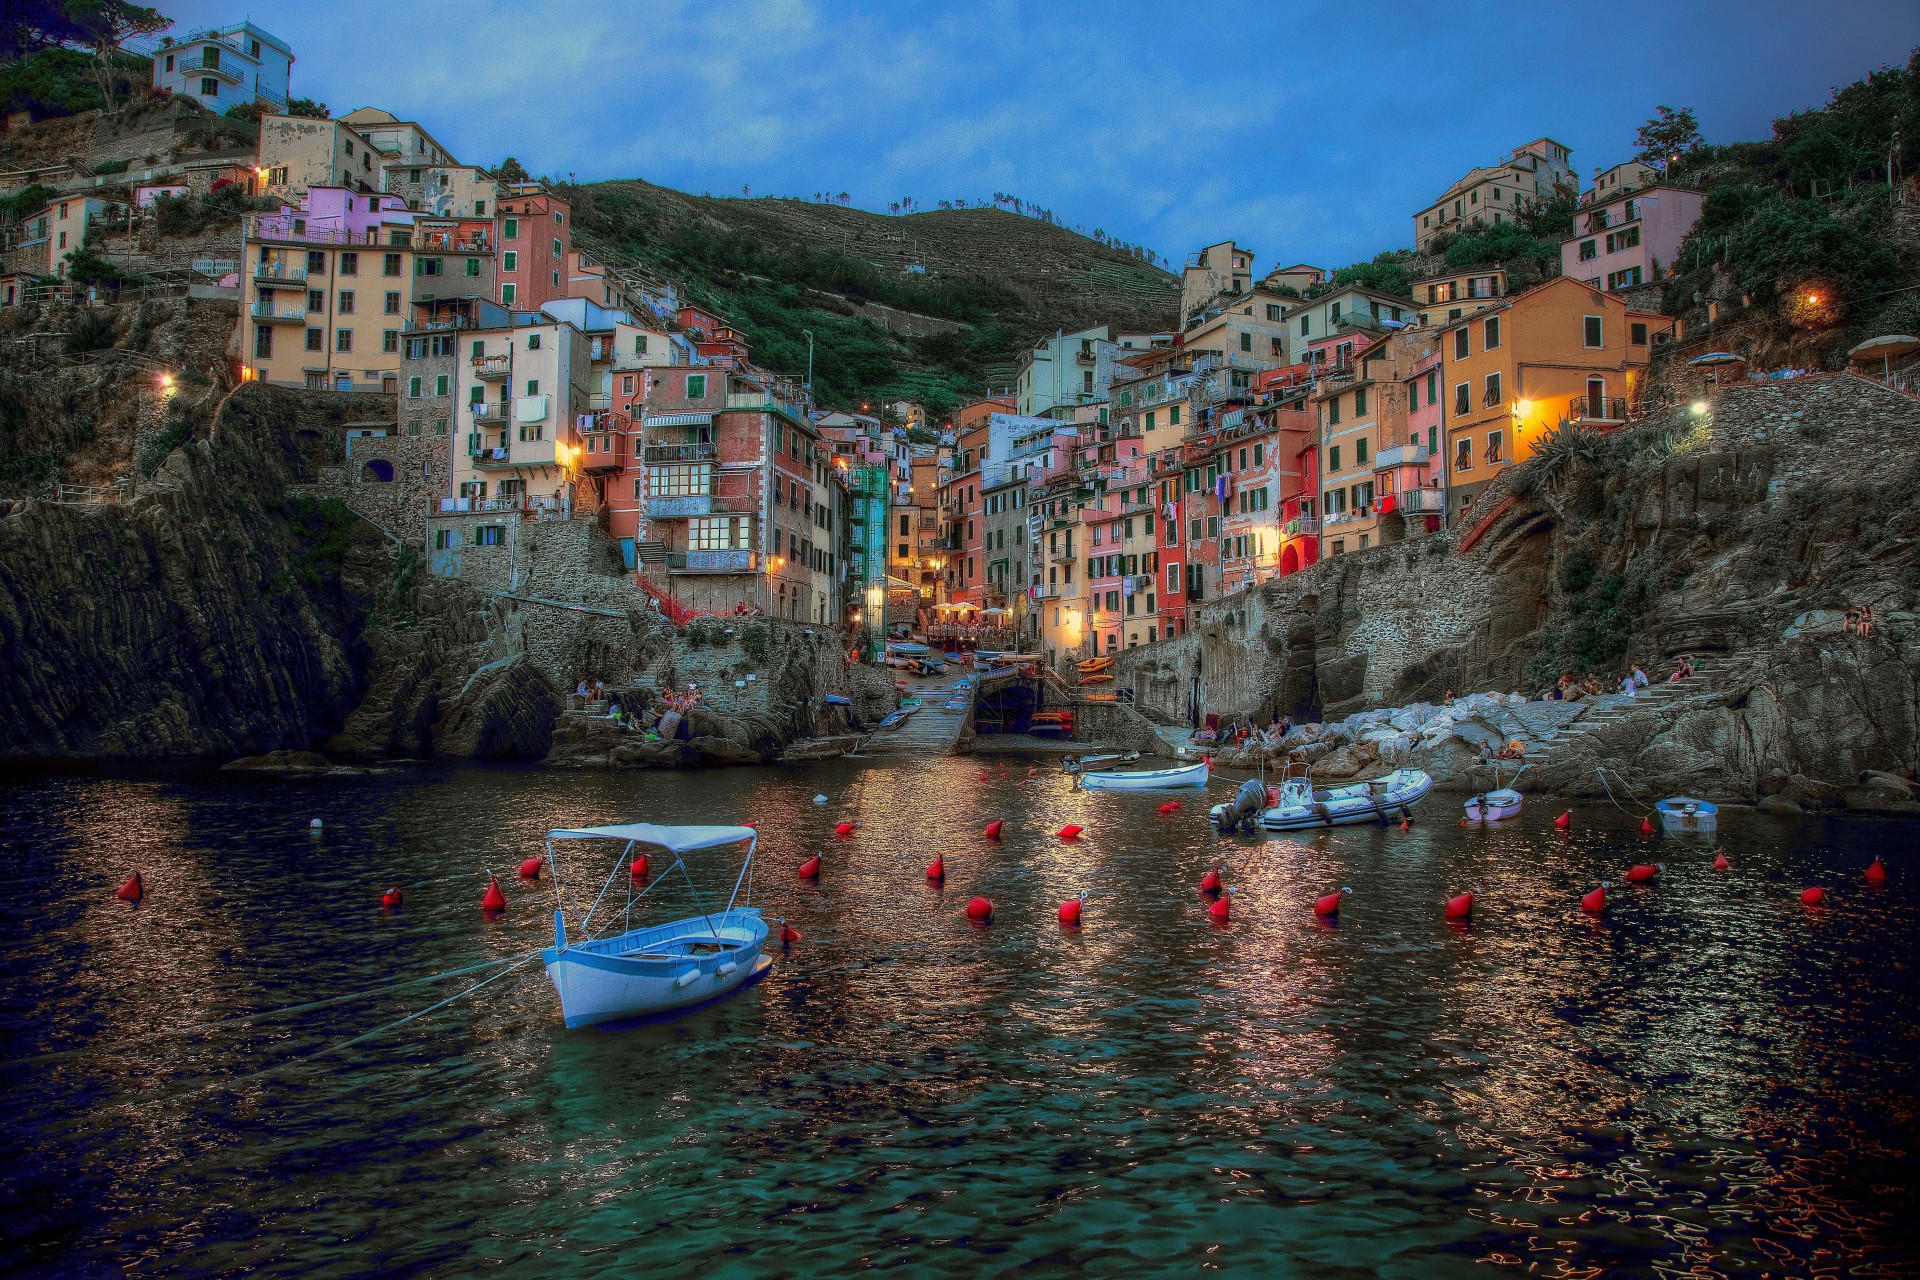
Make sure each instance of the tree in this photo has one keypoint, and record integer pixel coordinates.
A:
(29, 26)
(511, 170)
(106, 25)
(1668, 136)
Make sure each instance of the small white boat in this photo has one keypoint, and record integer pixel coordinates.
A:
(1684, 813)
(1192, 775)
(1492, 806)
(665, 967)
(1079, 764)
(1382, 799)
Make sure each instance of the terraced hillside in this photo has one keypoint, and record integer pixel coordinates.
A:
(975, 285)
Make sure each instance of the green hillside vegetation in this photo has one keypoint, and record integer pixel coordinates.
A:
(991, 281)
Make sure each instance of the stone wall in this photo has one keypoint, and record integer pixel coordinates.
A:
(416, 472)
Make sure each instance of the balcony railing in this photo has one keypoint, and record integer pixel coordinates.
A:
(490, 459)
(1301, 527)
(1423, 501)
(710, 561)
(278, 315)
(492, 368)
(684, 452)
(494, 413)
(766, 402)
(191, 65)
(279, 272)
(1604, 409)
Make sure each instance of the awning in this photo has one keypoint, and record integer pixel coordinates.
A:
(678, 839)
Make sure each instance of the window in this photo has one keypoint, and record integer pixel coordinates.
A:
(169, 62)
(440, 385)
(1492, 396)
(487, 535)
(511, 231)
(316, 340)
(556, 249)
(1637, 335)
(508, 259)
(1433, 386)
(1150, 413)
(427, 266)
(1304, 325)
(316, 263)
(1360, 452)
(1462, 400)
(1495, 452)
(1259, 453)
(696, 386)
(316, 299)
(1360, 402)
(390, 264)
(507, 292)
(1463, 454)
(533, 386)
(1173, 415)
(343, 340)
(1273, 313)
(1618, 240)
(681, 481)
(1333, 412)
(1460, 344)
(263, 342)
(639, 344)
(346, 302)
(1333, 458)
(1491, 338)
(1591, 331)
(1624, 279)
(392, 303)
(1589, 250)
(1246, 342)
(349, 264)
(413, 388)
(209, 87)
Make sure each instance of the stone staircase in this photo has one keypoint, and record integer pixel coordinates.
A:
(1709, 671)
(931, 731)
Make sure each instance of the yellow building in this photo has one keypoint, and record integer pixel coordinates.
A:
(1362, 416)
(1444, 299)
(1488, 196)
(1247, 331)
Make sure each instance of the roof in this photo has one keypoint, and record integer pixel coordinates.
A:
(677, 839)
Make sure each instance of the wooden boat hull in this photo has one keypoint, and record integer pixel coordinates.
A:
(1194, 775)
(1493, 805)
(656, 970)
(1381, 800)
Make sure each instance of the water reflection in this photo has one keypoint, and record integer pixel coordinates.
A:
(1708, 1078)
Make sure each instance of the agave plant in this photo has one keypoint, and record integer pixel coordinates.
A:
(1560, 453)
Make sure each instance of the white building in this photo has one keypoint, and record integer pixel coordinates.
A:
(225, 67)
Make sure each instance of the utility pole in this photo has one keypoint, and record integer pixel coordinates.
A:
(809, 334)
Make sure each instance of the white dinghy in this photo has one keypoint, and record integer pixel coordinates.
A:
(1491, 806)
(1192, 775)
(1302, 807)
(665, 967)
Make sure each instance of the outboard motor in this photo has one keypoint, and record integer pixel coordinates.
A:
(1248, 804)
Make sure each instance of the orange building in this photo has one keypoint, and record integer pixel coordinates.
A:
(1559, 352)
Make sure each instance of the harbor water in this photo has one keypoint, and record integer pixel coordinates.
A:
(1711, 1078)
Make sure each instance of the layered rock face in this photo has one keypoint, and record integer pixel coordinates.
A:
(195, 619)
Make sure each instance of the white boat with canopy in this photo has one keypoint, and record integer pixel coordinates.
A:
(1302, 806)
(664, 967)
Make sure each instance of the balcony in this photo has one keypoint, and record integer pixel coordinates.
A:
(1301, 527)
(485, 414)
(710, 562)
(1422, 501)
(200, 66)
(267, 311)
(279, 273)
(684, 506)
(603, 450)
(700, 451)
(490, 459)
(1401, 455)
(765, 402)
(599, 402)
(1086, 356)
(492, 368)
(1603, 410)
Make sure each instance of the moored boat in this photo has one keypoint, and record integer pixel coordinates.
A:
(1078, 764)
(1303, 807)
(1684, 813)
(1491, 806)
(663, 967)
(1192, 775)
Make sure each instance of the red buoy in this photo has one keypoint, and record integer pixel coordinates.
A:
(788, 934)
(1210, 883)
(390, 899)
(980, 910)
(1460, 906)
(1720, 862)
(1169, 806)
(495, 900)
(1596, 900)
(1877, 873)
(1070, 912)
(1329, 904)
(810, 869)
(1071, 831)
(1406, 824)
(530, 869)
(983, 775)
(844, 830)
(937, 869)
(1564, 821)
(1814, 896)
(642, 867)
(133, 890)
(1646, 826)
(1641, 872)
(1221, 907)
(993, 830)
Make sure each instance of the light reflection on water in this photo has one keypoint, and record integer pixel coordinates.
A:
(1709, 1078)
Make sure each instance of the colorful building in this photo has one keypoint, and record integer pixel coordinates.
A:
(226, 67)
(1535, 172)
(1444, 299)
(1629, 235)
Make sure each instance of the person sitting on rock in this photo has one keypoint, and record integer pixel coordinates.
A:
(1866, 620)
(1640, 680)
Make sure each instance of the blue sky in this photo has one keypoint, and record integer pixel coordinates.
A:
(1308, 131)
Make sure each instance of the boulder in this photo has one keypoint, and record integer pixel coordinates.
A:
(506, 709)
(718, 751)
(282, 762)
(1778, 805)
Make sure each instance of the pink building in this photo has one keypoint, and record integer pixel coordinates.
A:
(1407, 474)
(1629, 236)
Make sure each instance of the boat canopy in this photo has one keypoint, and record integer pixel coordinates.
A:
(678, 839)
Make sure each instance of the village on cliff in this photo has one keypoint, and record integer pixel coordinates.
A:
(531, 403)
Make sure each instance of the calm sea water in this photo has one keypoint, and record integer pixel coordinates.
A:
(1711, 1079)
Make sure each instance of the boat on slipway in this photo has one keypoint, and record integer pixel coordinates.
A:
(661, 968)
(1192, 775)
(1302, 807)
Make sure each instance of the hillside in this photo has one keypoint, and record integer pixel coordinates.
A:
(987, 283)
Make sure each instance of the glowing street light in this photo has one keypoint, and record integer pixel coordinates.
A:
(1697, 408)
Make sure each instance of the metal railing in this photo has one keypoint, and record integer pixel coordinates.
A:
(278, 315)
(1597, 409)
(692, 452)
(1301, 526)
(277, 272)
(710, 561)
(1423, 501)
(492, 366)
